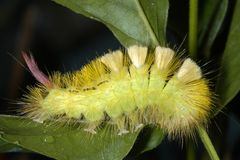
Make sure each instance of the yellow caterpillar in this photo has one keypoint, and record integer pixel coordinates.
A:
(128, 89)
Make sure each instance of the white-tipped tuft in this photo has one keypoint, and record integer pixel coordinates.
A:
(113, 60)
(189, 71)
(137, 55)
(163, 57)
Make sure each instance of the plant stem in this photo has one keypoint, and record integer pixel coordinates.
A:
(193, 28)
(207, 143)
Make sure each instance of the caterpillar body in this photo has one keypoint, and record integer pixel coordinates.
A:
(128, 89)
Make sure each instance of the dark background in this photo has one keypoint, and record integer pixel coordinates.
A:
(62, 40)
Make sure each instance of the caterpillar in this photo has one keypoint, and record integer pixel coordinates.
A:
(128, 89)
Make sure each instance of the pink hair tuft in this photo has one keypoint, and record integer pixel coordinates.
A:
(36, 72)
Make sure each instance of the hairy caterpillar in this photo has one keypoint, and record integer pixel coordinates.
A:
(128, 89)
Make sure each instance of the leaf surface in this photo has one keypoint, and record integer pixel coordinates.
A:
(148, 139)
(9, 147)
(140, 22)
(210, 21)
(229, 80)
(65, 143)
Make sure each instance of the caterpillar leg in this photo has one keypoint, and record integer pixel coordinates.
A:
(122, 125)
(92, 127)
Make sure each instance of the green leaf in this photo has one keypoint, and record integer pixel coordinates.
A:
(131, 21)
(8, 147)
(65, 143)
(148, 139)
(228, 84)
(211, 18)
